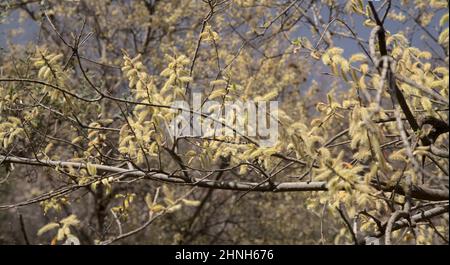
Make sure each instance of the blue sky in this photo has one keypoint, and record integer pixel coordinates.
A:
(31, 28)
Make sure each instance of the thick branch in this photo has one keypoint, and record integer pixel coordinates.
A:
(394, 90)
(418, 192)
(426, 215)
